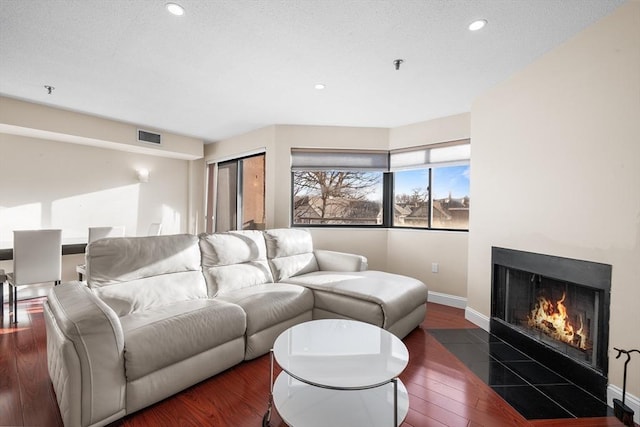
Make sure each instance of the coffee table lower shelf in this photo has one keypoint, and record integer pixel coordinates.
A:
(301, 404)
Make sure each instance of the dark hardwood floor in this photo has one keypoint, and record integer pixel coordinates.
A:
(443, 392)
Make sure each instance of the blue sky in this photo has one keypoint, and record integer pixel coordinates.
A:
(453, 178)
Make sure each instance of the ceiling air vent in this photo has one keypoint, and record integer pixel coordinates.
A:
(146, 136)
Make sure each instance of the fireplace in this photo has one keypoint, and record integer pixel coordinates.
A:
(556, 310)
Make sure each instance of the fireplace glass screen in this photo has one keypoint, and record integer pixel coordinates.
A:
(560, 314)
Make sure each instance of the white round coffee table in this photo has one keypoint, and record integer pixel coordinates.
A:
(339, 373)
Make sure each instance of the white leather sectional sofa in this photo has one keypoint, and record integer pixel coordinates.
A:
(159, 314)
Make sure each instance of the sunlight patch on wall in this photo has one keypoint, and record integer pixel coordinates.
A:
(111, 207)
(22, 217)
(171, 220)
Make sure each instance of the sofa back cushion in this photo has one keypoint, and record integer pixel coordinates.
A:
(234, 260)
(290, 252)
(134, 273)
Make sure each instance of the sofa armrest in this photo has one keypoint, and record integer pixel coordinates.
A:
(85, 356)
(339, 261)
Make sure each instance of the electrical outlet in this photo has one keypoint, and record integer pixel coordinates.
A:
(434, 267)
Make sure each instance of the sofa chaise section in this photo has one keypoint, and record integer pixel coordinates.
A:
(390, 301)
(341, 285)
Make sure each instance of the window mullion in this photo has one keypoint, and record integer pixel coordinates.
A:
(387, 199)
(239, 203)
(430, 199)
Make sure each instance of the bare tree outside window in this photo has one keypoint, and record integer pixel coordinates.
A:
(337, 197)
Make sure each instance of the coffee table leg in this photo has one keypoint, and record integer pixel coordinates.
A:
(266, 420)
(395, 402)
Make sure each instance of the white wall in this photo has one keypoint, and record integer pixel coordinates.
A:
(555, 169)
(412, 252)
(49, 184)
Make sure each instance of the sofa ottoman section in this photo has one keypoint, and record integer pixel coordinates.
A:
(198, 331)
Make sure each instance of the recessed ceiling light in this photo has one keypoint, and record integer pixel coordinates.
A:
(175, 9)
(319, 86)
(476, 25)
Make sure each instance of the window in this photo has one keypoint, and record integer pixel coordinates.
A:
(450, 197)
(338, 188)
(236, 195)
(419, 187)
(411, 198)
(431, 186)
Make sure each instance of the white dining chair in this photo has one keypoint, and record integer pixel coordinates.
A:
(97, 233)
(154, 229)
(37, 258)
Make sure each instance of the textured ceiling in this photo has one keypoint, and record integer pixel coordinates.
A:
(231, 66)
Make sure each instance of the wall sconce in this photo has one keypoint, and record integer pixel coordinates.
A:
(143, 175)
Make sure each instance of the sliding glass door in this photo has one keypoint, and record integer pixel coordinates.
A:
(236, 195)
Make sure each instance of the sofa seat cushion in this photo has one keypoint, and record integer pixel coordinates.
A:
(161, 336)
(269, 304)
(371, 296)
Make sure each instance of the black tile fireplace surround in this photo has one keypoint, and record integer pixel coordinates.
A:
(537, 274)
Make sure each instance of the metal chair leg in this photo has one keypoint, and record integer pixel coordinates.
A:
(13, 303)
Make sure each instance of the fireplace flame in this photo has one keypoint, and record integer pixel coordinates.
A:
(554, 321)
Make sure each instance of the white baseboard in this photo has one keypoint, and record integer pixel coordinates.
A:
(448, 300)
(477, 318)
(633, 402)
(470, 314)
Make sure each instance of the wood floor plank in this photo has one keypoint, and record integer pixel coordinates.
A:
(579, 422)
(10, 401)
(442, 391)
